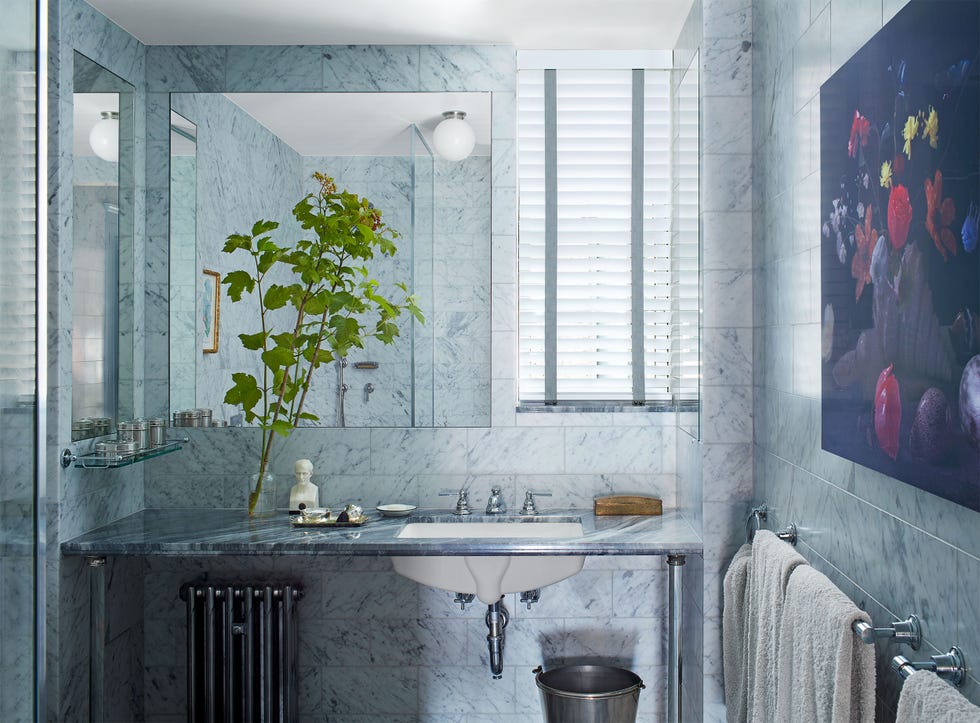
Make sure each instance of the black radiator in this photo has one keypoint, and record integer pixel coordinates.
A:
(241, 652)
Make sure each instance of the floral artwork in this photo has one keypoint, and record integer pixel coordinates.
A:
(900, 270)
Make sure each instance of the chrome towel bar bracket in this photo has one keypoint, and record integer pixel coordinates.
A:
(788, 534)
(951, 666)
(903, 631)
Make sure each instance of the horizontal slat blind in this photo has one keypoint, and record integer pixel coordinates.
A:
(685, 241)
(594, 320)
(17, 235)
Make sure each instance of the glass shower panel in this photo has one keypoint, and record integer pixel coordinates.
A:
(423, 335)
(18, 318)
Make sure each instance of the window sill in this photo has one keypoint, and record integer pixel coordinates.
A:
(599, 407)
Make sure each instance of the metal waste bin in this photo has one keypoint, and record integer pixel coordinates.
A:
(588, 694)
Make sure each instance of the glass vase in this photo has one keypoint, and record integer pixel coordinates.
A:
(261, 498)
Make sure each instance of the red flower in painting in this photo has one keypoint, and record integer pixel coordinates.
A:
(865, 240)
(887, 412)
(859, 128)
(899, 216)
(898, 164)
(942, 237)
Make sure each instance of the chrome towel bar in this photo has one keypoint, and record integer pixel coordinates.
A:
(760, 514)
(951, 666)
(903, 631)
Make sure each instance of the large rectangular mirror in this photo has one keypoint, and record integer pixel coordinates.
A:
(240, 157)
(102, 249)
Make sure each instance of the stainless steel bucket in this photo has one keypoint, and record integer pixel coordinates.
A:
(588, 694)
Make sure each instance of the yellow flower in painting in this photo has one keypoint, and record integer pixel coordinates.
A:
(931, 128)
(910, 131)
(886, 174)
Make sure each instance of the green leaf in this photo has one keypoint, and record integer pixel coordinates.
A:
(237, 241)
(262, 226)
(244, 392)
(253, 341)
(281, 427)
(278, 357)
(238, 282)
(277, 296)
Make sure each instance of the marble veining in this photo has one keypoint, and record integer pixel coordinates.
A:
(187, 532)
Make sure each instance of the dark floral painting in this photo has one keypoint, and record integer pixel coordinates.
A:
(900, 269)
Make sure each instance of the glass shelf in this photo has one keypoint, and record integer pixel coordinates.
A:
(101, 461)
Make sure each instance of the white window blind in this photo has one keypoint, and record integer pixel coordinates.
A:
(17, 235)
(598, 300)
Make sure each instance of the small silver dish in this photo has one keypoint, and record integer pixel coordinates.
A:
(315, 514)
(396, 510)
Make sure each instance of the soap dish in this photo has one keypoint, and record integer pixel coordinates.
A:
(396, 510)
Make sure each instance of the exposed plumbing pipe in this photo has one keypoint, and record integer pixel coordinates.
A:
(342, 390)
(497, 619)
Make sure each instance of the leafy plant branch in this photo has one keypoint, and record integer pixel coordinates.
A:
(333, 298)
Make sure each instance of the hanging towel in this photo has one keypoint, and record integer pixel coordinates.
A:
(927, 697)
(734, 618)
(826, 674)
(772, 562)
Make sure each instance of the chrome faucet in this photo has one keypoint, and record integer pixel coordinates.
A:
(529, 507)
(496, 504)
(462, 502)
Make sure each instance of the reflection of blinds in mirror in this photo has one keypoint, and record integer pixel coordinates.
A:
(685, 239)
(595, 188)
(17, 242)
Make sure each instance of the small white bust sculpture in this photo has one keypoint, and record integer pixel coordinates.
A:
(304, 493)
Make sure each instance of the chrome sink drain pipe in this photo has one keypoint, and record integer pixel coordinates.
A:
(497, 619)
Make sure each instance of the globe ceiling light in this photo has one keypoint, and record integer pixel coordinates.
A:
(453, 137)
(104, 137)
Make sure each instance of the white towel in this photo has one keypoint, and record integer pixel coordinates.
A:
(772, 562)
(826, 674)
(927, 697)
(734, 649)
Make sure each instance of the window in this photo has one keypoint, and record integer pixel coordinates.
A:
(596, 274)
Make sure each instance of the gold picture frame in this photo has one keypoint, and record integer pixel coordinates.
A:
(210, 310)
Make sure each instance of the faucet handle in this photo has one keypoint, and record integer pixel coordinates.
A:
(462, 501)
(529, 507)
(496, 504)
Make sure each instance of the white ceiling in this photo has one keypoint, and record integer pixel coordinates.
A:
(362, 124)
(527, 24)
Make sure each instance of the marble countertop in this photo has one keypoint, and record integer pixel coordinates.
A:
(183, 532)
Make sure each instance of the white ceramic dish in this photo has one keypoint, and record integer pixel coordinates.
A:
(395, 510)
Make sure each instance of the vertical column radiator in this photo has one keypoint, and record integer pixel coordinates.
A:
(241, 652)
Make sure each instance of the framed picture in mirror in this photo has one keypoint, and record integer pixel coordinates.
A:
(210, 310)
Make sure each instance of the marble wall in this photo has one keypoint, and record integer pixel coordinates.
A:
(18, 281)
(80, 500)
(244, 173)
(612, 607)
(891, 547)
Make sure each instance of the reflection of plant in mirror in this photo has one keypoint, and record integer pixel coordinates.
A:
(336, 304)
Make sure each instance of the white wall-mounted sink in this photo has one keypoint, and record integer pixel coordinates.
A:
(489, 576)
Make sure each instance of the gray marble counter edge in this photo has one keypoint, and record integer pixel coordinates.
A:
(230, 532)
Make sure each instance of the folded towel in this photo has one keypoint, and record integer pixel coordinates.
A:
(772, 562)
(734, 618)
(826, 674)
(927, 697)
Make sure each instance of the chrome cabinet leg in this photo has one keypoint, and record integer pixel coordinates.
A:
(675, 611)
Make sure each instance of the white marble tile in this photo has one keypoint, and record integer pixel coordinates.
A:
(507, 450)
(727, 239)
(851, 30)
(726, 182)
(726, 69)
(727, 299)
(811, 60)
(726, 414)
(467, 67)
(464, 689)
(622, 449)
(187, 68)
(274, 68)
(371, 68)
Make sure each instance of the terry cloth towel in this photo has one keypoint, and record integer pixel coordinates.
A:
(772, 562)
(927, 697)
(733, 634)
(826, 674)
